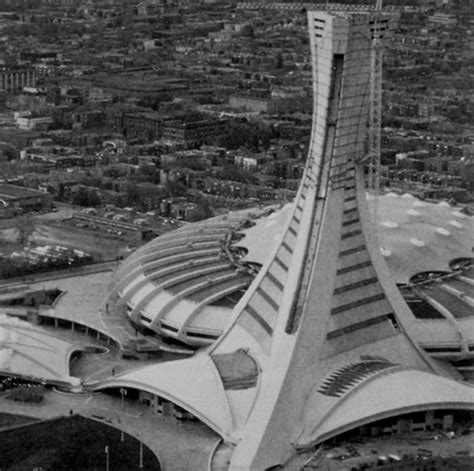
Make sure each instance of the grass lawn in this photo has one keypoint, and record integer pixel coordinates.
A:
(10, 420)
(71, 444)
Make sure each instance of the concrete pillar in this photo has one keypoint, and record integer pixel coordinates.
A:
(429, 419)
(155, 404)
(33, 317)
(403, 426)
(167, 408)
(448, 421)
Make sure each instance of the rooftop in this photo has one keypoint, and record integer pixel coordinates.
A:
(11, 192)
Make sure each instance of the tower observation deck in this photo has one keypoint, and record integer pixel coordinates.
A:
(319, 343)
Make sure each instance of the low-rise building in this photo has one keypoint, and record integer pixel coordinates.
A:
(24, 199)
(31, 121)
(192, 131)
(444, 19)
(13, 79)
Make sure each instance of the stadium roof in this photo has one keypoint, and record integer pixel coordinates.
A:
(419, 236)
(184, 284)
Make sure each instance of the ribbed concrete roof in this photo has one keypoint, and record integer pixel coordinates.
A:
(187, 278)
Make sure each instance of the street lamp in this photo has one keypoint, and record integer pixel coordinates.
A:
(140, 462)
(123, 393)
(106, 458)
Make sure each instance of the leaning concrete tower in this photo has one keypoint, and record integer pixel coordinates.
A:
(319, 344)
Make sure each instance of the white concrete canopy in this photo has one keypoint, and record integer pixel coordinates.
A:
(386, 395)
(193, 384)
(33, 353)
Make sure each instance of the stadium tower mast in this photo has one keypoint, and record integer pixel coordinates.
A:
(375, 112)
(320, 342)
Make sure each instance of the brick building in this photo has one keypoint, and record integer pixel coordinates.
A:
(193, 130)
(24, 199)
(13, 79)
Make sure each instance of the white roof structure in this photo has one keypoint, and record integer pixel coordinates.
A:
(409, 246)
(422, 238)
(387, 392)
(184, 284)
(33, 353)
(198, 389)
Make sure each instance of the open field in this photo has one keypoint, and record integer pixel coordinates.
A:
(72, 444)
(101, 245)
(11, 420)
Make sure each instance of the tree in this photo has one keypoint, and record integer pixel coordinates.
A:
(80, 197)
(10, 153)
(237, 174)
(61, 190)
(131, 191)
(91, 180)
(279, 61)
(203, 209)
(86, 197)
(148, 173)
(24, 226)
(176, 188)
(259, 137)
(236, 135)
(94, 199)
(254, 135)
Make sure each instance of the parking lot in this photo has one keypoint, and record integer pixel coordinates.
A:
(394, 452)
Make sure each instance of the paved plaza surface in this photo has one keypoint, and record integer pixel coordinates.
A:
(82, 302)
